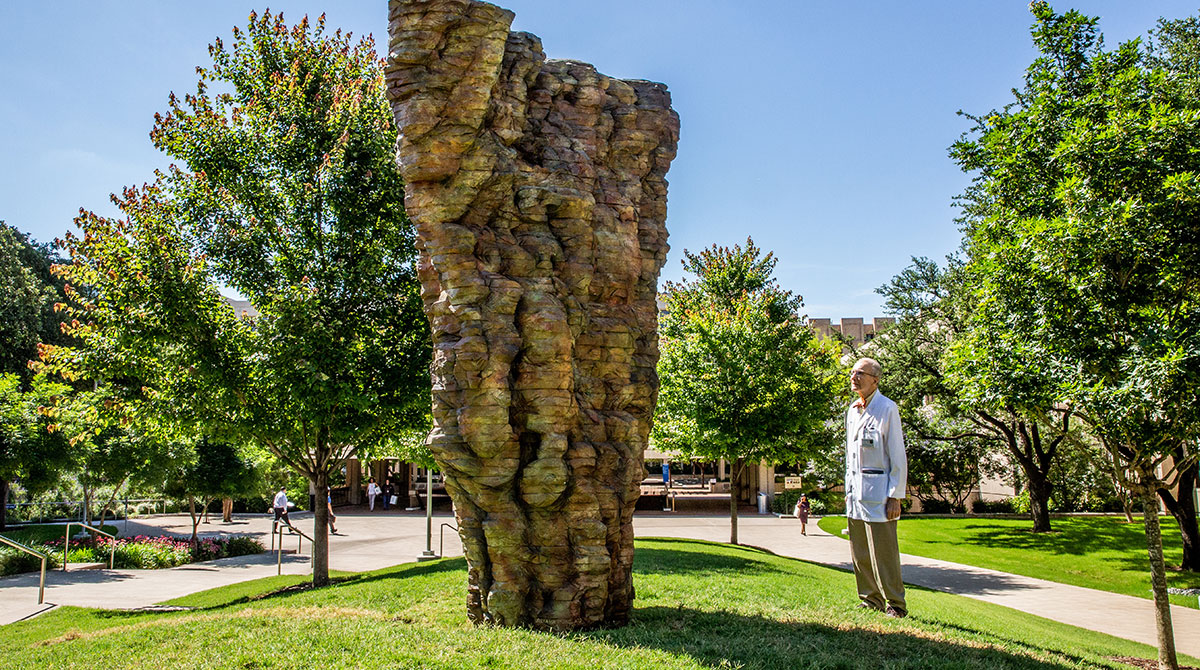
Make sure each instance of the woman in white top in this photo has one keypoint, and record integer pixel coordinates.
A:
(372, 491)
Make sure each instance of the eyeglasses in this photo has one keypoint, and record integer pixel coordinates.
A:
(859, 373)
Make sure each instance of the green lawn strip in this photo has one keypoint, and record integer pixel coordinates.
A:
(1104, 553)
(699, 605)
(44, 532)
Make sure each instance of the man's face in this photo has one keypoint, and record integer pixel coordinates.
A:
(862, 381)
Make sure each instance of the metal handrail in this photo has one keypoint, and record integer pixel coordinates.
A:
(278, 529)
(29, 550)
(112, 548)
(442, 537)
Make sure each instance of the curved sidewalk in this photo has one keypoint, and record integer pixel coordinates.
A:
(1112, 613)
(371, 541)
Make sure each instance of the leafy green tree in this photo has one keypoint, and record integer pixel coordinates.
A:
(33, 448)
(291, 197)
(986, 402)
(28, 293)
(213, 469)
(742, 376)
(1081, 228)
(944, 472)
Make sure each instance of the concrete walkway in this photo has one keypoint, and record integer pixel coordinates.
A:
(369, 541)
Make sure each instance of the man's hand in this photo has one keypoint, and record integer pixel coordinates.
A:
(893, 509)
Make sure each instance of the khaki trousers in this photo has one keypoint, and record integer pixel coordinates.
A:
(876, 557)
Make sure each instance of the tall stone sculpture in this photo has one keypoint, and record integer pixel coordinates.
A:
(537, 188)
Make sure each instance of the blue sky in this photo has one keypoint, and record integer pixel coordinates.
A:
(818, 128)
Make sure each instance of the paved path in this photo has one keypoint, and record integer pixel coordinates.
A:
(372, 541)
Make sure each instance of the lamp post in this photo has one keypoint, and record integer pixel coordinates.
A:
(428, 554)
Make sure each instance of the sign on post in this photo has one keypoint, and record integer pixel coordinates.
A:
(791, 482)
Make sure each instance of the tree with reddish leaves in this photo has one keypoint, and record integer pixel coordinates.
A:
(287, 192)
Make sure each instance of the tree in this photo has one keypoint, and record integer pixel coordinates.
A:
(32, 448)
(969, 395)
(28, 294)
(291, 197)
(1081, 227)
(742, 376)
(214, 469)
(944, 473)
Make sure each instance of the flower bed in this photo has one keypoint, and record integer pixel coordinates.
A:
(141, 552)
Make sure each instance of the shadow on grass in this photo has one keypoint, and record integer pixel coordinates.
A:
(729, 639)
(696, 557)
(395, 573)
(1074, 537)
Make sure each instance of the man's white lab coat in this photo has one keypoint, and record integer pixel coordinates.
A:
(876, 465)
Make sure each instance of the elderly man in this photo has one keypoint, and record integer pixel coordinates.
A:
(876, 479)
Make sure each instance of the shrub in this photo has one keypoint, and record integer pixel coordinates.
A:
(1004, 506)
(939, 506)
(133, 553)
(243, 546)
(13, 561)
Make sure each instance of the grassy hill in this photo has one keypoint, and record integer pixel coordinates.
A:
(699, 605)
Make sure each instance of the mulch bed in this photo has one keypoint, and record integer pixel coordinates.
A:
(1145, 663)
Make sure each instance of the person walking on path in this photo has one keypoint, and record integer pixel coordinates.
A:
(329, 508)
(876, 480)
(803, 507)
(372, 491)
(281, 506)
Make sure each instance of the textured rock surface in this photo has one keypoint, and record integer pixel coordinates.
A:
(538, 191)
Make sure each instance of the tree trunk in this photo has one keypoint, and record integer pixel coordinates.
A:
(1039, 502)
(320, 554)
(87, 506)
(1184, 511)
(1158, 583)
(735, 491)
(195, 519)
(3, 503)
(226, 509)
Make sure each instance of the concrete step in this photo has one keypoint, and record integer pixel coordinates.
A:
(72, 567)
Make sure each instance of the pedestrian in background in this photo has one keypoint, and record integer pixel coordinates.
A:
(372, 491)
(802, 509)
(280, 505)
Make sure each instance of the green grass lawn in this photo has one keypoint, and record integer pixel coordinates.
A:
(699, 605)
(1103, 553)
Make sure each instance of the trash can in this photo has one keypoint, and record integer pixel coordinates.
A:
(762, 503)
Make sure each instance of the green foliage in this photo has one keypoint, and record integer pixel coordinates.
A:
(28, 294)
(32, 446)
(290, 196)
(14, 561)
(742, 377)
(1081, 232)
(962, 420)
(216, 469)
(941, 471)
(1082, 237)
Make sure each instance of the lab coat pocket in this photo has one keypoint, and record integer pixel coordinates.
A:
(874, 487)
(871, 450)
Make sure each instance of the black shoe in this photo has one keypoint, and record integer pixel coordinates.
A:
(868, 606)
(896, 613)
